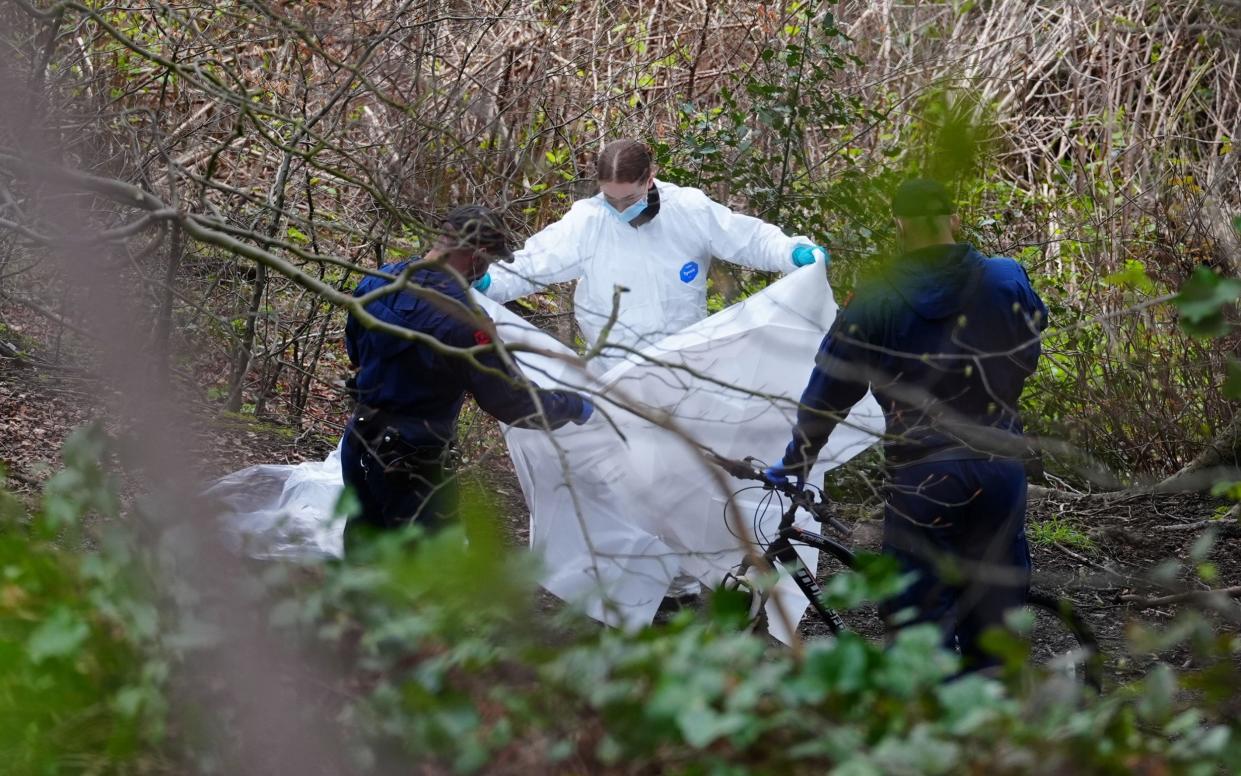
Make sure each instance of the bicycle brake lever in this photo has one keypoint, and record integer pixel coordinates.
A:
(823, 513)
(755, 467)
(825, 516)
(742, 470)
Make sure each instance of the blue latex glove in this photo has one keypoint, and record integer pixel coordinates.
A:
(483, 283)
(809, 254)
(778, 475)
(588, 409)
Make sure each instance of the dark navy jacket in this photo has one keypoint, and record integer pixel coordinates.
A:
(423, 389)
(946, 338)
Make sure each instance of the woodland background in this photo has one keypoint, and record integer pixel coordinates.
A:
(189, 190)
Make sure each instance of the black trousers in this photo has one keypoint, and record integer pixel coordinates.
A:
(959, 527)
(396, 481)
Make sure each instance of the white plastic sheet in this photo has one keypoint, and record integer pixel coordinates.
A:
(620, 509)
(628, 516)
(283, 510)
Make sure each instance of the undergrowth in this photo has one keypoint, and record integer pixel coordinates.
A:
(446, 661)
(1058, 530)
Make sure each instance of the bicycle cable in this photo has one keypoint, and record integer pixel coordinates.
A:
(724, 511)
(757, 530)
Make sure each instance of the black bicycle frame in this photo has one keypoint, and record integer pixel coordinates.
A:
(783, 552)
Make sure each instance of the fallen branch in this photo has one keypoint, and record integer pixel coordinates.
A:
(1125, 578)
(1196, 481)
(11, 353)
(1194, 525)
(1197, 596)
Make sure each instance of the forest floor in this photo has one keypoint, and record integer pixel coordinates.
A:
(1100, 552)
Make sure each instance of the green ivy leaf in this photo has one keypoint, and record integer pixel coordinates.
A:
(838, 667)
(1157, 693)
(701, 725)
(347, 505)
(58, 636)
(1202, 546)
(730, 608)
(1227, 489)
(1202, 300)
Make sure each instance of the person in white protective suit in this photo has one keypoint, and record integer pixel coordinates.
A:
(649, 237)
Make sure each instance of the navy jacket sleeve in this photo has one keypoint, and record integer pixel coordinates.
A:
(839, 380)
(505, 396)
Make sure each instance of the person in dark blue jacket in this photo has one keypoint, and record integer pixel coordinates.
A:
(945, 337)
(409, 391)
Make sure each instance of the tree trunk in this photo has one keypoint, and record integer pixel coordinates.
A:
(245, 353)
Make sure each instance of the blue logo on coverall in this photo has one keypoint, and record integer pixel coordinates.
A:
(689, 271)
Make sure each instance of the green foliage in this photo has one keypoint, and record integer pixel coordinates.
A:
(751, 140)
(465, 680)
(856, 482)
(1120, 389)
(78, 693)
(84, 485)
(451, 662)
(952, 139)
(1227, 489)
(1132, 276)
(1203, 300)
(1058, 530)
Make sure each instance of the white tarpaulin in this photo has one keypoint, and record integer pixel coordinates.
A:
(618, 510)
(284, 510)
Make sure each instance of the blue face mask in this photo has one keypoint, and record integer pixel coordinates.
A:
(640, 212)
(630, 213)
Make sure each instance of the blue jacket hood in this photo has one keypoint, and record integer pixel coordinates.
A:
(935, 281)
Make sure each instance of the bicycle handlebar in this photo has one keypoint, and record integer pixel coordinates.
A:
(746, 469)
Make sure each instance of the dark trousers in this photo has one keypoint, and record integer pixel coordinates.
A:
(396, 482)
(959, 527)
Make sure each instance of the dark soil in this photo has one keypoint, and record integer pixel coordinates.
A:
(1142, 548)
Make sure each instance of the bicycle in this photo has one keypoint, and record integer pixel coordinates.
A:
(1069, 645)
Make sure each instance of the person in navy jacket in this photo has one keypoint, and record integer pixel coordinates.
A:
(945, 337)
(409, 392)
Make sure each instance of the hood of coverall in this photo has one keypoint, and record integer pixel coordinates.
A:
(935, 281)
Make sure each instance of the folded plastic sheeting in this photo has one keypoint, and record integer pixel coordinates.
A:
(625, 504)
(282, 510)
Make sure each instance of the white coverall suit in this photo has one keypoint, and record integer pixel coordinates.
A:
(664, 263)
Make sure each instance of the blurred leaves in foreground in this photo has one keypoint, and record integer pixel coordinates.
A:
(447, 659)
(81, 687)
